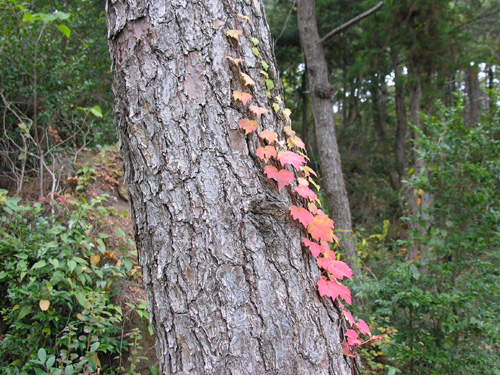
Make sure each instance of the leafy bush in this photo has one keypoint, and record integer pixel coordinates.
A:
(59, 281)
(443, 307)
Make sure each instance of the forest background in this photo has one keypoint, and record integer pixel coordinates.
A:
(415, 94)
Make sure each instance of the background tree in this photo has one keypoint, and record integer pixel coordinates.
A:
(229, 288)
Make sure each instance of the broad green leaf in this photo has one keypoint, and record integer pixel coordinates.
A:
(65, 30)
(269, 84)
(255, 51)
(255, 42)
(264, 65)
(42, 355)
(96, 111)
(25, 310)
(80, 296)
(39, 264)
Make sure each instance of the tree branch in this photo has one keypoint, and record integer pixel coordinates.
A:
(351, 22)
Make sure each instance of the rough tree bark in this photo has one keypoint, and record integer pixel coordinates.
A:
(230, 291)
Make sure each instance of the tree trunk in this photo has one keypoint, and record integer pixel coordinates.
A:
(230, 291)
(322, 107)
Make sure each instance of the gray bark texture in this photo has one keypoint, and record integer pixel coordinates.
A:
(321, 93)
(230, 290)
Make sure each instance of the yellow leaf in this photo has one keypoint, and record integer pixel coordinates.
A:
(44, 304)
(421, 192)
(94, 259)
(419, 201)
(235, 34)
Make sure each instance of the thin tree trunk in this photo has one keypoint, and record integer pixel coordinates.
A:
(230, 291)
(321, 93)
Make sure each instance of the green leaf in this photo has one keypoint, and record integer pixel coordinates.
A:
(94, 346)
(411, 171)
(65, 30)
(269, 84)
(255, 42)
(25, 310)
(50, 361)
(255, 51)
(120, 232)
(69, 370)
(276, 107)
(264, 74)
(61, 15)
(264, 65)
(96, 111)
(39, 264)
(391, 371)
(80, 296)
(42, 355)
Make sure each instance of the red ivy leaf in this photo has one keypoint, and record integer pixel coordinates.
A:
(316, 249)
(321, 228)
(338, 269)
(243, 97)
(346, 349)
(268, 135)
(236, 61)
(258, 111)
(352, 337)
(301, 214)
(334, 289)
(290, 157)
(363, 327)
(247, 81)
(265, 153)
(349, 317)
(248, 125)
(282, 177)
(305, 192)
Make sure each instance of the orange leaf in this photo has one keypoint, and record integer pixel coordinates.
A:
(301, 214)
(235, 34)
(94, 259)
(321, 228)
(290, 157)
(283, 177)
(289, 132)
(258, 111)
(44, 304)
(265, 153)
(247, 81)
(243, 97)
(248, 125)
(268, 135)
(236, 61)
(305, 192)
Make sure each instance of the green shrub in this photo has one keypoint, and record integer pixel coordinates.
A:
(57, 304)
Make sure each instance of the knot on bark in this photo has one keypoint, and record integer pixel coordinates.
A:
(324, 90)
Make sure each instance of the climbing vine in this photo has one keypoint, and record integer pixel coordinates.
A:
(285, 161)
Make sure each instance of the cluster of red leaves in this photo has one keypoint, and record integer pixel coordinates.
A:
(319, 227)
